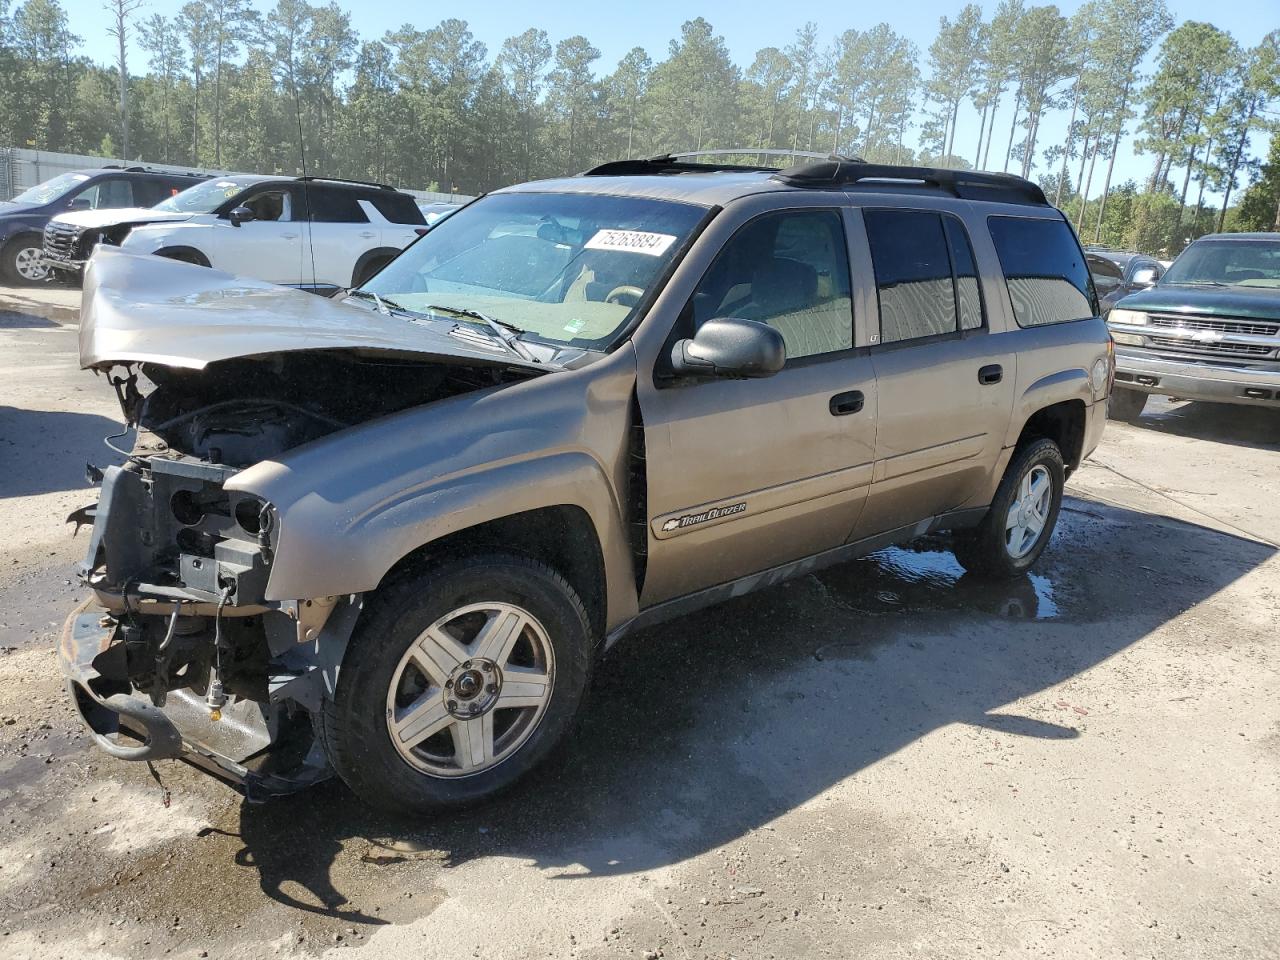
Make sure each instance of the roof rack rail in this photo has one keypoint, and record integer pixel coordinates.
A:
(138, 168)
(359, 183)
(965, 184)
(681, 162)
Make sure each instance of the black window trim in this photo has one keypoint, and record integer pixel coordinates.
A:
(957, 334)
(683, 329)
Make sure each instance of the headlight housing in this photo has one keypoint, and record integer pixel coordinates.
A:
(1134, 318)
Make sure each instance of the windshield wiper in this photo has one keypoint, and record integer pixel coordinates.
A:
(508, 333)
(385, 304)
(1205, 283)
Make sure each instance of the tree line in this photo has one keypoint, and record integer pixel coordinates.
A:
(229, 86)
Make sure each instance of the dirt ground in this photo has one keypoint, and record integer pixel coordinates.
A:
(882, 760)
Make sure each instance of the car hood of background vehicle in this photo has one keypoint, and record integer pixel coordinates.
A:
(144, 309)
(112, 216)
(1255, 303)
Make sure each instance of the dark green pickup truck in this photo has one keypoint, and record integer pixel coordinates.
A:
(1209, 330)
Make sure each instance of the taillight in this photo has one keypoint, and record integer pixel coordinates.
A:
(1111, 363)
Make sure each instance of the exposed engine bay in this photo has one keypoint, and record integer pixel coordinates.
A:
(181, 564)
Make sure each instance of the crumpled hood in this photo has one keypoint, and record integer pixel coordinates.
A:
(140, 308)
(109, 218)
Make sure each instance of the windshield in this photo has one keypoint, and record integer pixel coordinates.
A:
(1242, 263)
(569, 268)
(203, 198)
(51, 190)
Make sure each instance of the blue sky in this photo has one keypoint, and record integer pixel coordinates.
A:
(745, 27)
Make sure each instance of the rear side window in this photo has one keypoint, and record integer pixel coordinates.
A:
(1044, 269)
(926, 278)
(333, 205)
(396, 207)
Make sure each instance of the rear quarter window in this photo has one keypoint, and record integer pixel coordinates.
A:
(396, 207)
(1044, 270)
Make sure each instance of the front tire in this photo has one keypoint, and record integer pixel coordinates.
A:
(1020, 522)
(1125, 404)
(458, 682)
(20, 261)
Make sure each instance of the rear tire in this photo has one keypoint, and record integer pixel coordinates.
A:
(476, 667)
(1020, 522)
(1125, 404)
(20, 260)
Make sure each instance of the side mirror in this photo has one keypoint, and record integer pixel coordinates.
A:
(239, 215)
(80, 203)
(730, 347)
(1143, 279)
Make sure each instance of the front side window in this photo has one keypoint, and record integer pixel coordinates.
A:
(110, 194)
(271, 205)
(789, 270)
(1243, 263)
(1044, 269)
(564, 267)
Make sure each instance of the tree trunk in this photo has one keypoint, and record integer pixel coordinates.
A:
(982, 128)
(1008, 150)
(991, 131)
(1106, 186)
(217, 110)
(124, 89)
(1235, 167)
(1088, 184)
(1071, 136)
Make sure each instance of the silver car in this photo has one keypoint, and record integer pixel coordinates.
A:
(390, 537)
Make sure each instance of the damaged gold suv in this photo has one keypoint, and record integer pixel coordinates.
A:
(389, 536)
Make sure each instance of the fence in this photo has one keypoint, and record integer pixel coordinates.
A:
(21, 169)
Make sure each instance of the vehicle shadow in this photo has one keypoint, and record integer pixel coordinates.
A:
(44, 451)
(703, 730)
(1237, 424)
(15, 319)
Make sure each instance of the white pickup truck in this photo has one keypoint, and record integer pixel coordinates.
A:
(313, 233)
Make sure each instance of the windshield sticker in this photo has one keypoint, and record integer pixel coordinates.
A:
(633, 241)
(575, 325)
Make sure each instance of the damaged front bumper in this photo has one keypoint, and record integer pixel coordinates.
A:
(178, 654)
(262, 749)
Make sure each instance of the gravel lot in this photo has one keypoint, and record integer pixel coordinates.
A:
(884, 759)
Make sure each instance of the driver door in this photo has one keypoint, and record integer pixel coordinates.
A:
(271, 246)
(745, 475)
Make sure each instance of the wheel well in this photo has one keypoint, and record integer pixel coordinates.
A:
(184, 254)
(563, 537)
(1063, 423)
(372, 256)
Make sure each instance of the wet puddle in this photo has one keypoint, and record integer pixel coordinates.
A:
(927, 577)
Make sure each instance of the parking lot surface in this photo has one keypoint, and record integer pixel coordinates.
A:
(885, 759)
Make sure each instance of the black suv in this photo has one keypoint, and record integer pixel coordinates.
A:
(23, 219)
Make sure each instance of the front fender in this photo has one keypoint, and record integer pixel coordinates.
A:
(350, 506)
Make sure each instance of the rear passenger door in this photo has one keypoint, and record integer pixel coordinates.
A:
(744, 475)
(944, 388)
(340, 234)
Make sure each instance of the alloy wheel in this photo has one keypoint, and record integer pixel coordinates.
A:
(470, 690)
(1029, 513)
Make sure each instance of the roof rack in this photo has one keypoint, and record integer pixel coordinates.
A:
(965, 184)
(359, 183)
(668, 163)
(137, 168)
